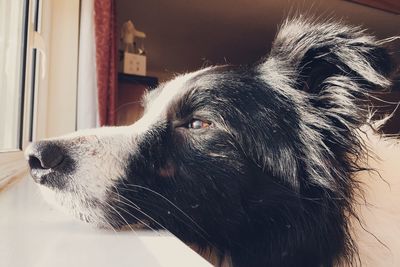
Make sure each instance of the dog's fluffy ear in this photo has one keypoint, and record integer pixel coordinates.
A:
(317, 51)
(326, 70)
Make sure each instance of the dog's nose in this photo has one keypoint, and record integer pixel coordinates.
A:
(47, 159)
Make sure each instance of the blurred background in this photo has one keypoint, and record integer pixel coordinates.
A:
(186, 35)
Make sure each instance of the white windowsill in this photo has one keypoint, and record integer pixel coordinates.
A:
(34, 234)
(11, 169)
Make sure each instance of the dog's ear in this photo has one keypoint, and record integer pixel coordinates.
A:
(317, 51)
(325, 71)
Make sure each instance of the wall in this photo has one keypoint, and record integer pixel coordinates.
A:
(185, 35)
(63, 64)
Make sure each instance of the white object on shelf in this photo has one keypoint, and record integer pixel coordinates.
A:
(128, 35)
(134, 64)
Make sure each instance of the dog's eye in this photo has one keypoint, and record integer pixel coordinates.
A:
(198, 124)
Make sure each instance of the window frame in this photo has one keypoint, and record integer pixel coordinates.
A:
(11, 157)
(44, 88)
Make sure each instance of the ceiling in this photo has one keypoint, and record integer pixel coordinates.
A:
(183, 35)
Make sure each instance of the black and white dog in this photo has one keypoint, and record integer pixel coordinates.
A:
(260, 164)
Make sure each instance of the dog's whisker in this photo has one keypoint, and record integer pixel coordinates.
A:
(131, 204)
(122, 217)
(136, 218)
(126, 199)
(178, 216)
(104, 221)
(203, 234)
(168, 201)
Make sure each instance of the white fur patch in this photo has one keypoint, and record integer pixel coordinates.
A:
(171, 91)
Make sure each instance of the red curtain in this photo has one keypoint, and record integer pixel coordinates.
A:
(106, 59)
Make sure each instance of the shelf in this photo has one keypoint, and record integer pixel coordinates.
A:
(149, 81)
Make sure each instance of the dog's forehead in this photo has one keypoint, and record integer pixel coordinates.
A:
(160, 101)
(172, 91)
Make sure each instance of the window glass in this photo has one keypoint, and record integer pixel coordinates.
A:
(13, 19)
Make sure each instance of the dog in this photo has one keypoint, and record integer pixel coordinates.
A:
(262, 165)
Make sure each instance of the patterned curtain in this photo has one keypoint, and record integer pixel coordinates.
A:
(106, 59)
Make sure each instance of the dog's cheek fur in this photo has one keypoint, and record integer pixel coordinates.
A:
(207, 172)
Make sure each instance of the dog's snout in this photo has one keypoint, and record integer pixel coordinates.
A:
(46, 157)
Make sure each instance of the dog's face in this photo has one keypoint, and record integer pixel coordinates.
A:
(195, 146)
(233, 157)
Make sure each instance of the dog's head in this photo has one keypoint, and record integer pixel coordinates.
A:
(256, 161)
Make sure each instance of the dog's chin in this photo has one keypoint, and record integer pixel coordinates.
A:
(69, 203)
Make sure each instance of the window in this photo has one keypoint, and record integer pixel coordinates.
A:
(13, 39)
(36, 101)
(18, 63)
